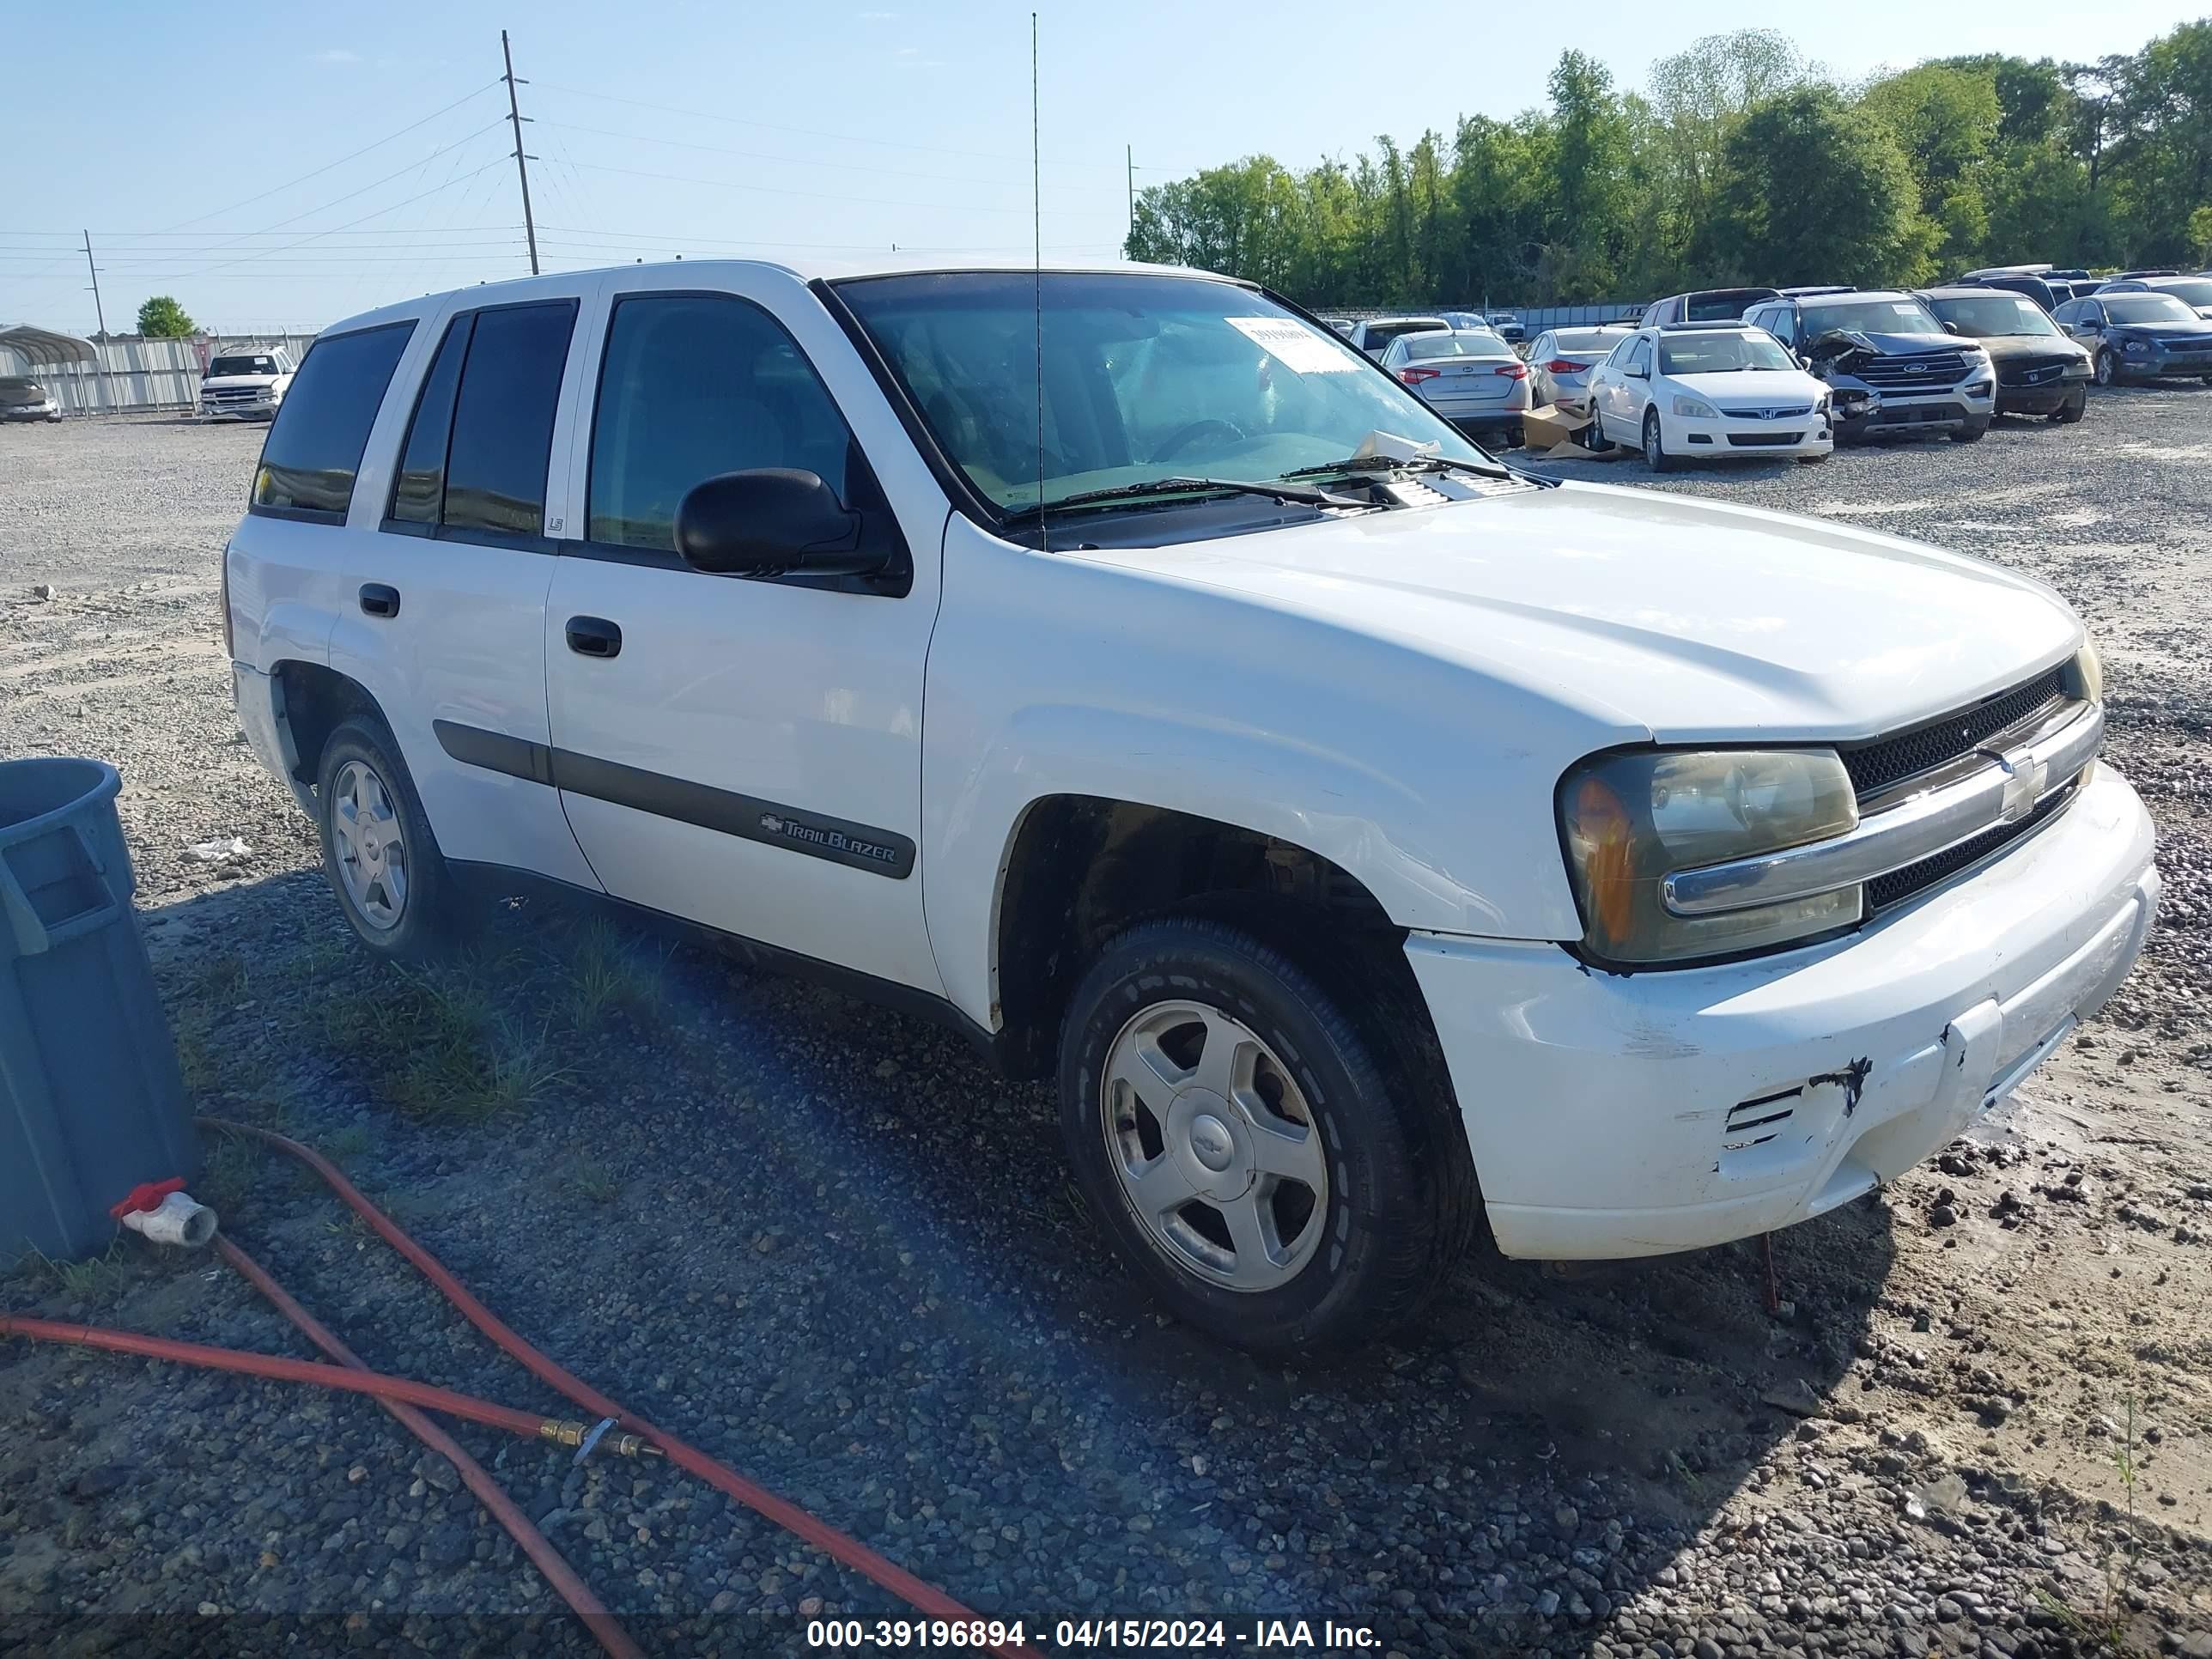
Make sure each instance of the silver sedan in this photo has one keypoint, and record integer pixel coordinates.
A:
(1469, 376)
(1561, 359)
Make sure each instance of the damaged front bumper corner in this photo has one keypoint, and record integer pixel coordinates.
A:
(1614, 1116)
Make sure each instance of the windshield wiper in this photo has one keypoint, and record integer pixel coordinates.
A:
(1275, 489)
(1391, 463)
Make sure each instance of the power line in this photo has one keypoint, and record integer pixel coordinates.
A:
(802, 132)
(376, 144)
(816, 195)
(796, 161)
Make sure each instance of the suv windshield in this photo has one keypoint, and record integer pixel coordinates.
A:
(1870, 317)
(2147, 308)
(261, 365)
(1986, 316)
(1146, 377)
(1718, 354)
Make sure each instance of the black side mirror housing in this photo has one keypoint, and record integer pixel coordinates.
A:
(772, 521)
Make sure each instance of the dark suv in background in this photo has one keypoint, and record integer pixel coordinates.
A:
(2040, 370)
(1893, 367)
(1704, 305)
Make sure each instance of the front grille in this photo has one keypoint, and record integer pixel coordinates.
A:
(234, 394)
(1875, 766)
(1898, 885)
(1763, 440)
(1789, 414)
(2032, 371)
(2189, 343)
(1933, 369)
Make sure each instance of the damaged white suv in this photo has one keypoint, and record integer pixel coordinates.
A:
(1373, 841)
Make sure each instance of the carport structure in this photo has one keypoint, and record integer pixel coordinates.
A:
(43, 348)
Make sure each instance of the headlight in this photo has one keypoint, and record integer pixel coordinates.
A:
(1630, 820)
(1695, 409)
(2087, 674)
(2133, 346)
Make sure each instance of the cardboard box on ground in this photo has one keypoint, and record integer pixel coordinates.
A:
(1558, 433)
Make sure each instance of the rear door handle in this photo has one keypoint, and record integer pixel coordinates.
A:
(379, 600)
(594, 636)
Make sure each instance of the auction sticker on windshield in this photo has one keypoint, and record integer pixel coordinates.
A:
(1295, 346)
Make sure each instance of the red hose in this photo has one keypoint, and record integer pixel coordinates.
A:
(548, 1560)
(923, 1597)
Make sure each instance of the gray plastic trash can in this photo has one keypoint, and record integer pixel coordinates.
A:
(91, 1101)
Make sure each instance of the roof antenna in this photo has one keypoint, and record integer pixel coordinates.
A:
(1037, 279)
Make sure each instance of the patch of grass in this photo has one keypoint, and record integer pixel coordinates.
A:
(350, 1142)
(436, 1047)
(196, 1061)
(226, 1173)
(592, 1180)
(98, 1279)
(223, 980)
(607, 975)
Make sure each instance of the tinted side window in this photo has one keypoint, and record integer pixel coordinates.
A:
(693, 385)
(419, 493)
(322, 426)
(502, 438)
(1640, 357)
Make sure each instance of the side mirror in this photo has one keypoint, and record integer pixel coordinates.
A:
(1950, 328)
(771, 521)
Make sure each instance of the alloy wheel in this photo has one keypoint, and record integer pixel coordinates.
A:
(1216, 1151)
(371, 847)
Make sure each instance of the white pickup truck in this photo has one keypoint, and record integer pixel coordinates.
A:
(1375, 843)
(246, 383)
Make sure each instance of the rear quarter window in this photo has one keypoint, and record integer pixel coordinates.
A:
(315, 443)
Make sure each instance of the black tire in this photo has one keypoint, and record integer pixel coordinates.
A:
(432, 915)
(1402, 1203)
(1515, 439)
(1654, 444)
(2069, 412)
(1972, 433)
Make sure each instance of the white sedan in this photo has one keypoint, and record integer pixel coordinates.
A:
(1710, 390)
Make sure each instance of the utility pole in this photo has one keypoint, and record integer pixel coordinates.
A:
(521, 161)
(1131, 151)
(98, 310)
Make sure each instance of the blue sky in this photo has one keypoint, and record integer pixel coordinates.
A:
(176, 133)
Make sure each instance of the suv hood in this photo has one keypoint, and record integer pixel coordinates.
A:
(1837, 342)
(217, 382)
(1655, 615)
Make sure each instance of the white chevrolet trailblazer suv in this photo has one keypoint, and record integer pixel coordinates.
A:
(1374, 842)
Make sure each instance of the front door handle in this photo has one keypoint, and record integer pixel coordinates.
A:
(379, 600)
(594, 636)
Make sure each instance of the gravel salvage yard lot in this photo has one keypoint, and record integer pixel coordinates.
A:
(824, 1243)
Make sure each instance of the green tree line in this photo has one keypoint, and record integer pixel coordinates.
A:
(1739, 161)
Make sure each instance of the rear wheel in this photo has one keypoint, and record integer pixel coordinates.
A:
(378, 855)
(1654, 444)
(1275, 1173)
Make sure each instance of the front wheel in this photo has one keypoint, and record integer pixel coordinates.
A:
(1275, 1173)
(378, 855)
(1972, 433)
(1654, 444)
(2075, 407)
(2101, 371)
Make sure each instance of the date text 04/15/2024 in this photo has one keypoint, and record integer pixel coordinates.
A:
(1093, 1635)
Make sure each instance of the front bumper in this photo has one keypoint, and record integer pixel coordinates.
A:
(1724, 439)
(255, 410)
(1615, 1115)
(2163, 364)
(31, 412)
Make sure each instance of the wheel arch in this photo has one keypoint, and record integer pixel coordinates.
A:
(1078, 869)
(313, 700)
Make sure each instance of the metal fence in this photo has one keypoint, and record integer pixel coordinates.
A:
(1534, 319)
(136, 375)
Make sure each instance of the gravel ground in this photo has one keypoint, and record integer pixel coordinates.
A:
(756, 1213)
